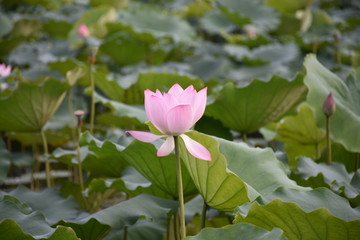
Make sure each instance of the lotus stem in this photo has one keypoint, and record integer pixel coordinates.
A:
(125, 232)
(244, 137)
(81, 180)
(71, 110)
(357, 161)
(176, 226)
(328, 140)
(47, 161)
(203, 215)
(180, 189)
(92, 107)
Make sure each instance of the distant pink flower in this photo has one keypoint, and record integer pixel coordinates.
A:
(328, 107)
(174, 113)
(3, 86)
(83, 31)
(5, 70)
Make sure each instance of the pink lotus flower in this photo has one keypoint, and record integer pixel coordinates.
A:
(174, 113)
(5, 70)
(83, 31)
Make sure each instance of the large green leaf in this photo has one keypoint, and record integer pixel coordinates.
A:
(242, 12)
(333, 176)
(250, 163)
(301, 135)
(161, 171)
(220, 187)
(158, 80)
(249, 108)
(30, 106)
(299, 224)
(131, 182)
(18, 221)
(130, 89)
(271, 53)
(234, 231)
(55, 208)
(153, 210)
(311, 200)
(10, 230)
(161, 25)
(122, 115)
(345, 122)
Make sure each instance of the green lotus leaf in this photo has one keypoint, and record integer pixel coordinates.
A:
(161, 171)
(55, 208)
(122, 115)
(247, 162)
(215, 22)
(299, 224)
(221, 188)
(345, 122)
(131, 182)
(271, 53)
(301, 135)
(249, 108)
(162, 25)
(19, 221)
(234, 231)
(243, 12)
(137, 210)
(333, 176)
(31, 105)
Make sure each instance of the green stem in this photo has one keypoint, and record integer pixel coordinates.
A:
(244, 137)
(180, 189)
(71, 112)
(47, 161)
(176, 226)
(203, 215)
(92, 110)
(357, 161)
(81, 180)
(125, 232)
(328, 140)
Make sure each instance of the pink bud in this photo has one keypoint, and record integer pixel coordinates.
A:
(5, 70)
(328, 107)
(251, 31)
(83, 31)
(79, 115)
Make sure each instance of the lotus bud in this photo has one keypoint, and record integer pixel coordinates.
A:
(79, 115)
(83, 31)
(328, 107)
(251, 31)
